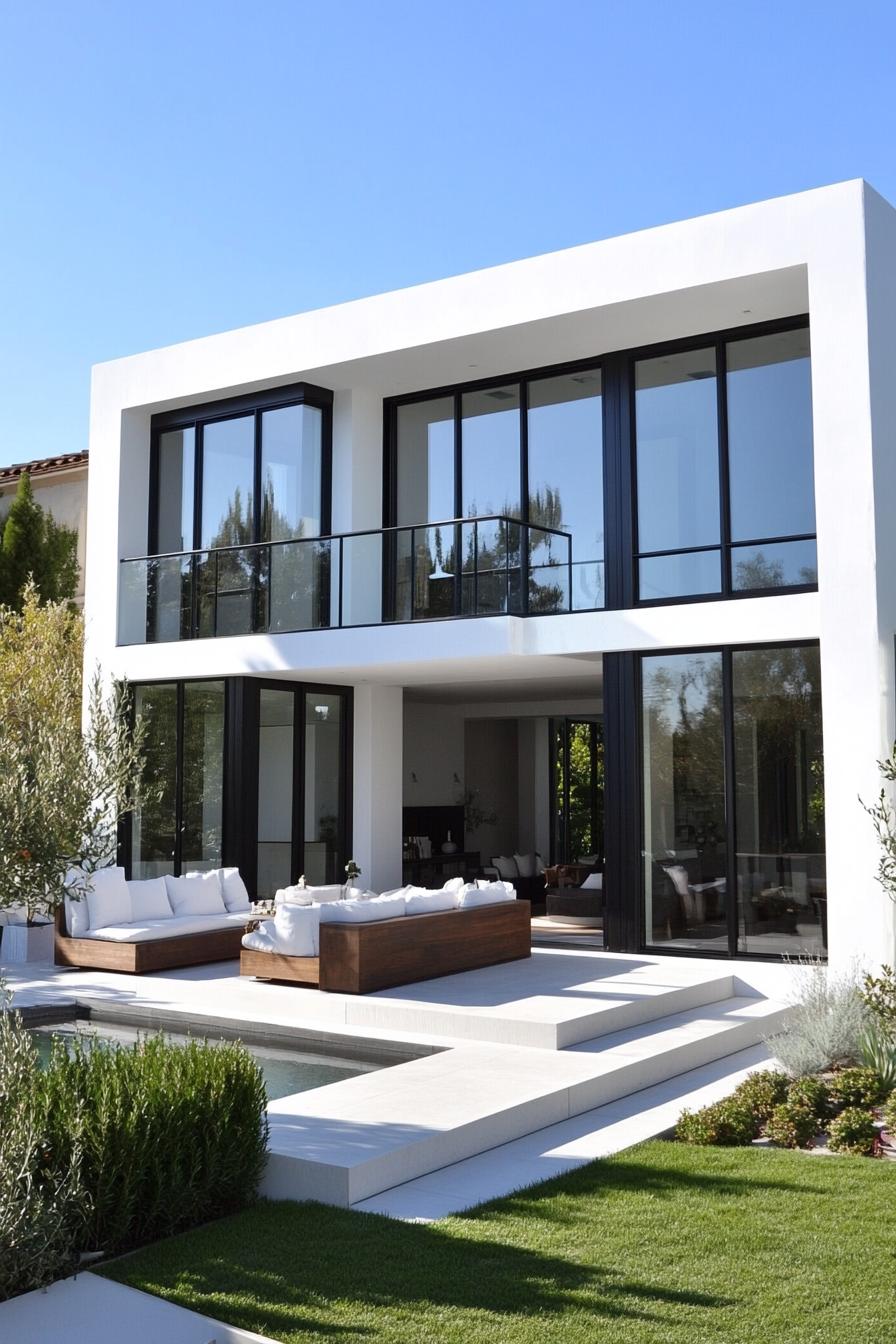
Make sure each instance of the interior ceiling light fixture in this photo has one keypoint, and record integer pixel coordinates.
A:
(322, 711)
(702, 373)
(500, 395)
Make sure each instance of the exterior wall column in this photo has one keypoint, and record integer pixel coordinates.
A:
(853, 306)
(377, 785)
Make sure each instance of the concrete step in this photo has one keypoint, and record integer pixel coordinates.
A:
(502, 1005)
(347, 1142)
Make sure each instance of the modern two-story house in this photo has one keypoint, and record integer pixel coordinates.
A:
(590, 555)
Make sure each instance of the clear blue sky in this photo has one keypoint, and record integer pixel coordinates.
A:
(174, 169)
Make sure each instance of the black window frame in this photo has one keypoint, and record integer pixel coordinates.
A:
(197, 416)
(635, 927)
(239, 820)
(620, 488)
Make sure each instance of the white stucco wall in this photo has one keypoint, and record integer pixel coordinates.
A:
(831, 252)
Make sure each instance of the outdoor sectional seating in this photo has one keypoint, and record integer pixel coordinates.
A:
(361, 945)
(152, 925)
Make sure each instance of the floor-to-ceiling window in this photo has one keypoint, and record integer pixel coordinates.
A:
(223, 483)
(524, 458)
(733, 801)
(724, 467)
(178, 823)
(577, 791)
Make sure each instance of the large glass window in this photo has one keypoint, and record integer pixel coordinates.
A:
(770, 461)
(276, 754)
(566, 488)
(176, 465)
(695, 539)
(764, 840)
(178, 825)
(291, 465)
(228, 483)
(685, 845)
(425, 493)
(779, 801)
(324, 822)
(677, 448)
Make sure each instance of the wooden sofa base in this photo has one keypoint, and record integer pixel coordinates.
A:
(156, 954)
(361, 958)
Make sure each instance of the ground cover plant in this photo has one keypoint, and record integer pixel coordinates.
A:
(109, 1147)
(664, 1244)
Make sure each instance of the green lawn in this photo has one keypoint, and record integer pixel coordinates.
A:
(663, 1243)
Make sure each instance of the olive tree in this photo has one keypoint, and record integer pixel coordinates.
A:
(68, 772)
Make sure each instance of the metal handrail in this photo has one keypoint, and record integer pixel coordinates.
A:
(346, 536)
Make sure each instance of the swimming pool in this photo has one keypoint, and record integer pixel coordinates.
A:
(284, 1071)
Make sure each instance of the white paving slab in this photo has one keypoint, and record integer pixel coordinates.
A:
(343, 1143)
(562, 1147)
(91, 1310)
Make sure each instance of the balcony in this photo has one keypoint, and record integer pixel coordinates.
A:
(462, 567)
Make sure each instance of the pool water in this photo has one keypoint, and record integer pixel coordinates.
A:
(284, 1071)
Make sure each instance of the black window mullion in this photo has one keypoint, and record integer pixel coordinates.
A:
(298, 781)
(730, 795)
(178, 778)
(524, 498)
(724, 475)
(458, 502)
(620, 485)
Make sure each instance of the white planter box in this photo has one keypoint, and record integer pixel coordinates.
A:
(24, 942)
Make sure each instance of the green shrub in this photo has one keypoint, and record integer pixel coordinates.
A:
(855, 1087)
(791, 1125)
(825, 1026)
(890, 1115)
(728, 1123)
(879, 996)
(171, 1135)
(40, 1198)
(878, 1052)
(853, 1131)
(762, 1092)
(812, 1094)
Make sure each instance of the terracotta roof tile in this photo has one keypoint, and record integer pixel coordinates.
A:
(43, 466)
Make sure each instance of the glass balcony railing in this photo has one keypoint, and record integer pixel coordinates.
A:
(488, 566)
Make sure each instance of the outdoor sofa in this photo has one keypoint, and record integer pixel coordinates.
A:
(153, 924)
(371, 942)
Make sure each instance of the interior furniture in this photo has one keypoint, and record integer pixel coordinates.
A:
(159, 953)
(361, 958)
(433, 871)
(576, 906)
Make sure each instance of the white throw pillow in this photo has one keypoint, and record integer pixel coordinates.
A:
(149, 900)
(233, 889)
(294, 895)
(539, 865)
(454, 884)
(679, 878)
(107, 898)
(362, 912)
(299, 895)
(490, 893)
(295, 929)
(430, 902)
(196, 894)
(525, 864)
(593, 882)
(506, 867)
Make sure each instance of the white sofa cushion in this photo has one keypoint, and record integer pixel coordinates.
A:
(593, 882)
(233, 889)
(454, 884)
(525, 864)
(507, 869)
(147, 929)
(77, 915)
(295, 929)
(149, 900)
(363, 912)
(196, 894)
(485, 893)
(107, 898)
(430, 902)
(259, 940)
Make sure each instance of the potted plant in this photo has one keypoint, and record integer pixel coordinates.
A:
(352, 873)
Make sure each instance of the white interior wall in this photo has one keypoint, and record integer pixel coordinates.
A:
(433, 755)
(490, 752)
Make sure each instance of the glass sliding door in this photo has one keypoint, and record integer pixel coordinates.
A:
(178, 824)
(302, 822)
(490, 480)
(202, 765)
(276, 770)
(578, 791)
(566, 488)
(685, 830)
(154, 822)
(324, 810)
(779, 801)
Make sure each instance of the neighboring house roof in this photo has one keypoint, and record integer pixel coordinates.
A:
(43, 466)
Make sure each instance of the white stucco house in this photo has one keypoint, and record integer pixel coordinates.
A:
(590, 555)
